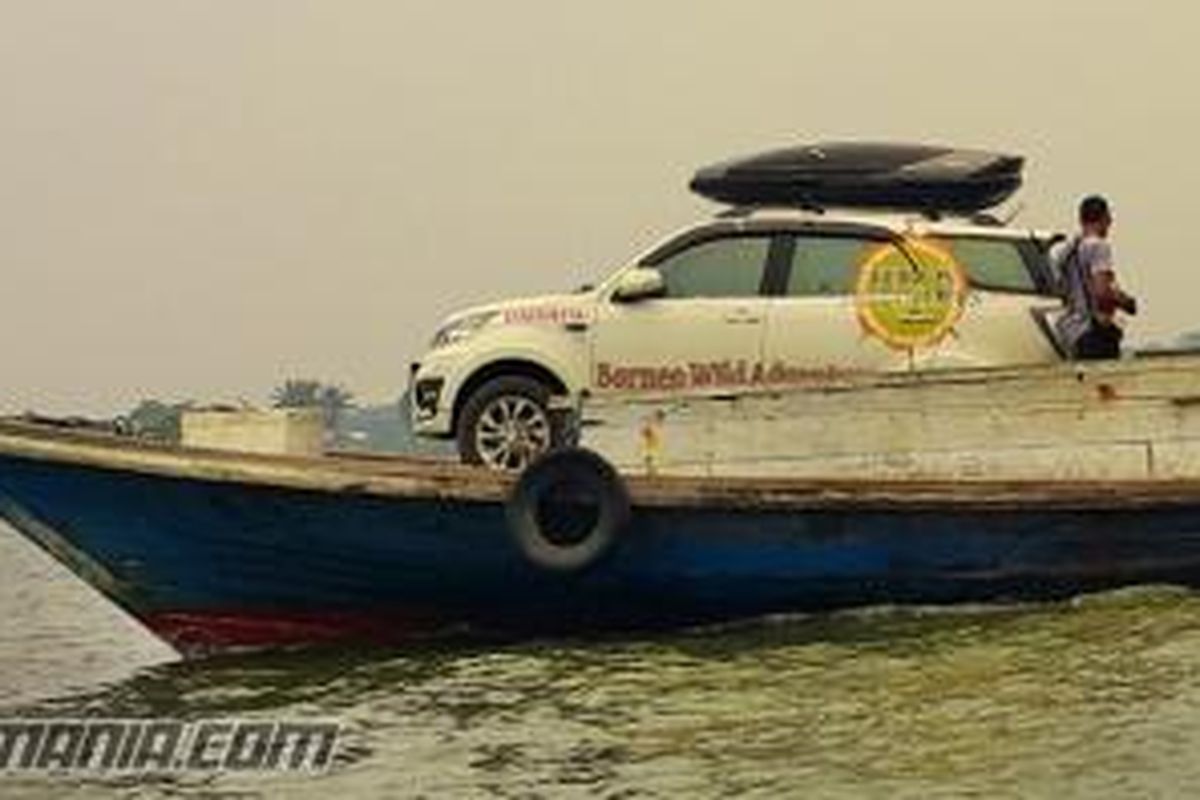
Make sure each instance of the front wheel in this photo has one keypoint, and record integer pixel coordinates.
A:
(507, 425)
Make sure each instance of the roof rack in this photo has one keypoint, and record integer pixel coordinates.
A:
(931, 214)
(742, 211)
(985, 220)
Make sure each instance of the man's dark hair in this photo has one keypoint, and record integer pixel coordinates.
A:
(1093, 209)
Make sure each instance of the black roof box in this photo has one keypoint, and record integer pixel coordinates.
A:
(862, 175)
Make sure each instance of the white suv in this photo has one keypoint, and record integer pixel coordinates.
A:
(766, 298)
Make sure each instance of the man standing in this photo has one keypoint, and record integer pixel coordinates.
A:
(1089, 330)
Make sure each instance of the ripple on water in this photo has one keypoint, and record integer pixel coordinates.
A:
(1095, 698)
(56, 634)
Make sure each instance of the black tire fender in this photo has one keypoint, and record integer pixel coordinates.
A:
(567, 510)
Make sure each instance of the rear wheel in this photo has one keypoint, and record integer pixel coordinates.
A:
(507, 425)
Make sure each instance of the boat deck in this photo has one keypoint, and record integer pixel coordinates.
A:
(401, 477)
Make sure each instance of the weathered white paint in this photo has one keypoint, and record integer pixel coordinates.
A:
(1129, 420)
(295, 432)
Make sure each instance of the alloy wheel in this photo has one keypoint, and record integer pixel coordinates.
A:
(511, 432)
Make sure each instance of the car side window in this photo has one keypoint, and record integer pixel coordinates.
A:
(728, 267)
(827, 265)
(992, 263)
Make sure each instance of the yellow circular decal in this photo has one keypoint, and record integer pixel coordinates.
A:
(912, 299)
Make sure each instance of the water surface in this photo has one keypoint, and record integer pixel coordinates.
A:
(1096, 698)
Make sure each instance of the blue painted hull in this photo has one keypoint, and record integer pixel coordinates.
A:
(212, 563)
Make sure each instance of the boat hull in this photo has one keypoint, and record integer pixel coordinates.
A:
(211, 562)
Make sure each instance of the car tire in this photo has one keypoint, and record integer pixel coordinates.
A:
(568, 510)
(506, 424)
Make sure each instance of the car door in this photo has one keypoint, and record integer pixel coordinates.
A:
(705, 334)
(813, 322)
(1007, 316)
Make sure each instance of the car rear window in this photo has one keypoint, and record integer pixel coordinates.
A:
(827, 265)
(992, 263)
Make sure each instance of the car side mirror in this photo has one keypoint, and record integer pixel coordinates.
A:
(640, 283)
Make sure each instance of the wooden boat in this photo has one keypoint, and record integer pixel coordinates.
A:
(216, 550)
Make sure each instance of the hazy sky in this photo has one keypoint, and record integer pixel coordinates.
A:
(199, 198)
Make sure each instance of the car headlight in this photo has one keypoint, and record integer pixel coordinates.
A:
(461, 329)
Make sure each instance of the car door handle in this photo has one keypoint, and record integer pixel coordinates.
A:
(743, 318)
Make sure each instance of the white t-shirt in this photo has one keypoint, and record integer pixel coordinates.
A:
(1077, 262)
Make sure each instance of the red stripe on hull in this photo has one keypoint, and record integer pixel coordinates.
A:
(190, 631)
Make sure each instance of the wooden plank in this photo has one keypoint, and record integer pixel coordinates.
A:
(399, 478)
(1058, 423)
(452, 483)
(902, 455)
(1111, 462)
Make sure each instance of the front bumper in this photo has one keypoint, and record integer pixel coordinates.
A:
(427, 393)
(431, 405)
